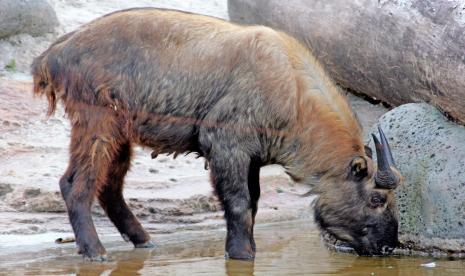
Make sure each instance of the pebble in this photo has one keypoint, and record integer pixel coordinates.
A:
(429, 265)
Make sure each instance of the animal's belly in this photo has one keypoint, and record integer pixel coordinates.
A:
(167, 133)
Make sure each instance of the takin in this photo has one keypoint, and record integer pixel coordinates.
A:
(242, 97)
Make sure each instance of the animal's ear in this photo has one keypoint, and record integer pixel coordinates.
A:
(358, 169)
(369, 151)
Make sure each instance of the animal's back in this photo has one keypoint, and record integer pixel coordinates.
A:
(164, 62)
(174, 70)
(151, 58)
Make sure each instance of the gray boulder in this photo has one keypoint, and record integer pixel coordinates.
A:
(34, 17)
(430, 152)
(398, 51)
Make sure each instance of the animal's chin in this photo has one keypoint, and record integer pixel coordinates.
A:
(335, 244)
(363, 252)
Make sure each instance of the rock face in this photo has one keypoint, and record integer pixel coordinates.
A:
(397, 51)
(34, 17)
(430, 152)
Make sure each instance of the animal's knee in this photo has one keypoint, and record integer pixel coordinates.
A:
(238, 209)
(66, 182)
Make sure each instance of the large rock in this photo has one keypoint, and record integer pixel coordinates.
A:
(430, 152)
(396, 50)
(34, 17)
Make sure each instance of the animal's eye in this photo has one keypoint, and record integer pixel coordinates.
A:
(377, 200)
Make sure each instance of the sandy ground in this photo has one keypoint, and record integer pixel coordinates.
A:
(166, 194)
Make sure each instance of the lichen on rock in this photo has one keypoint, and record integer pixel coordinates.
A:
(429, 150)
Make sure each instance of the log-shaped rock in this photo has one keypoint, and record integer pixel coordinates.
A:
(398, 51)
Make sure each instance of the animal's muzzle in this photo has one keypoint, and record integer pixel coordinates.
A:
(368, 250)
(387, 250)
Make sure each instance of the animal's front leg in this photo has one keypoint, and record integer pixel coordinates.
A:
(229, 172)
(254, 191)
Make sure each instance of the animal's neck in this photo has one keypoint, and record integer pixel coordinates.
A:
(326, 135)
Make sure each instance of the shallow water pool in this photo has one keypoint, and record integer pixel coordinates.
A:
(287, 248)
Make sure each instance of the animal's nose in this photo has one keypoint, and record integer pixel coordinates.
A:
(387, 249)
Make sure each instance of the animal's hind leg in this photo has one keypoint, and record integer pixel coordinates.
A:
(95, 138)
(78, 187)
(112, 201)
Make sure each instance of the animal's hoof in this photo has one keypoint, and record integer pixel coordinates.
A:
(98, 258)
(149, 244)
(245, 256)
(240, 248)
(93, 254)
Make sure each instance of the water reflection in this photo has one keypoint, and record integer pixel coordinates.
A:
(239, 268)
(283, 249)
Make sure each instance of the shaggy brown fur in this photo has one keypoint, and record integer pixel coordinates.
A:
(241, 96)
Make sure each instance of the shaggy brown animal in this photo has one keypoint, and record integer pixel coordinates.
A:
(241, 96)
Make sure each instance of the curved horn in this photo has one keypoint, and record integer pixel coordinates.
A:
(386, 147)
(385, 178)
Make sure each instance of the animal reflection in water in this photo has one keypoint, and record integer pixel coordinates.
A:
(284, 249)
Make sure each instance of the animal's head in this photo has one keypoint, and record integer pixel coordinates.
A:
(359, 207)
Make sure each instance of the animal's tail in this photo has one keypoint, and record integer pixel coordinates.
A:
(43, 83)
(45, 71)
